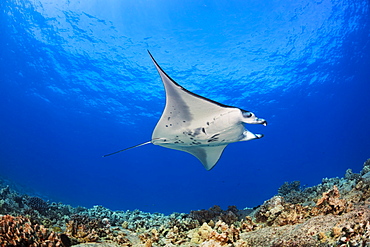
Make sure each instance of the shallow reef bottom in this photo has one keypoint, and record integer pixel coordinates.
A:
(333, 213)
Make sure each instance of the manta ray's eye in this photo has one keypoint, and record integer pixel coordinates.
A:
(247, 114)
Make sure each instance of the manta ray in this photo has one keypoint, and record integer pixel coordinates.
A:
(198, 125)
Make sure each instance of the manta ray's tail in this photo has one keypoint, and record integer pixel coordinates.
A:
(142, 144)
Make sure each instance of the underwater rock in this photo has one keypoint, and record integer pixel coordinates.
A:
(221, 233)
(269, 210)
(82, 229)
(277, 212)
(349, 175)
(97, 245)
(366, 167)
(210, 243)
(10, 201)
(4, 192)
(202, 234)
(322, 230)
(330, 203)
(366, 178)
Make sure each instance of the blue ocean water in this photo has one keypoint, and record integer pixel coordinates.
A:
(76, 83)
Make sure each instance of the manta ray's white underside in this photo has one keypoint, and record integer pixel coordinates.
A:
(197, 125)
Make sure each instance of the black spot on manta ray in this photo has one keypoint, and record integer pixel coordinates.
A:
(214, 136)
(204, 131)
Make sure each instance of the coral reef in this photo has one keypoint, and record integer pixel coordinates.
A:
(83, 229)
(38, 204)
(215, 213)
(291, 192)
(333, 213)
(19, 231)
(287, 187)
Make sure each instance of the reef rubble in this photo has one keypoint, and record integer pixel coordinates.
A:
(333, 213)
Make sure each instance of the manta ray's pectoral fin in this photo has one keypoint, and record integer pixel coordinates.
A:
(208, 155)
